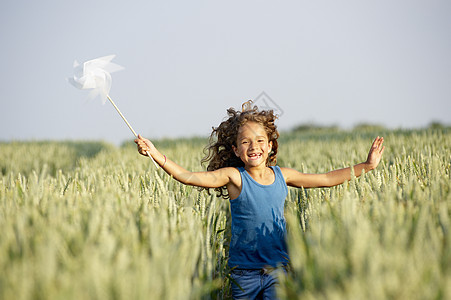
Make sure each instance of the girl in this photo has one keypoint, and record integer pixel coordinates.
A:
(242, 167)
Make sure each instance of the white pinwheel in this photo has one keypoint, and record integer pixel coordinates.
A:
(95, 75)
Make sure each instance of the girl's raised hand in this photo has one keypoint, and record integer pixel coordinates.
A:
(375, 154)
(144, 145)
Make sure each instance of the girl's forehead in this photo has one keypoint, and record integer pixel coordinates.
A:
(252, 128)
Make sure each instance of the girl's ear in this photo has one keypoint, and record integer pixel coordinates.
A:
(235, 150)
(270, 146)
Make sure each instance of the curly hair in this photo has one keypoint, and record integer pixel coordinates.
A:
(219, 151)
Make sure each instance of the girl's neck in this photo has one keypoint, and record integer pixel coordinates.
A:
(261, 174)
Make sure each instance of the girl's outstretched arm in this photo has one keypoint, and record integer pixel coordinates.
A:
(210, 179)
(336, 177)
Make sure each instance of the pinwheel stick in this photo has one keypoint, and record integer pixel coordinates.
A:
(123, 117)
(128, 124)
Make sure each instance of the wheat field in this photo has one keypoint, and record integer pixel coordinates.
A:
(88, 220)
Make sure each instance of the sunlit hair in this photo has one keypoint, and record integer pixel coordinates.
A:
(219, 151)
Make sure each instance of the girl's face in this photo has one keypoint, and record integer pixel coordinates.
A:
(253, 146)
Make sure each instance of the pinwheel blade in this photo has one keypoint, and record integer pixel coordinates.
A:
(103, 63)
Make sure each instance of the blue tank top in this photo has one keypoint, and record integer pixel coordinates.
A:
(258, 223)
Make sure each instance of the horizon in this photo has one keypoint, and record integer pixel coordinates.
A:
(308, 128)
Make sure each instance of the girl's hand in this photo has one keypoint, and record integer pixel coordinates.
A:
(144, 145)
(375, 154)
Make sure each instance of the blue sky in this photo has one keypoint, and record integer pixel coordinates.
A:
(186, 62)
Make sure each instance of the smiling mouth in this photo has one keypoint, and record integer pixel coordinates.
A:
(254, 156)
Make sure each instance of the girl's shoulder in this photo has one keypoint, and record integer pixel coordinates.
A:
(231, 171)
